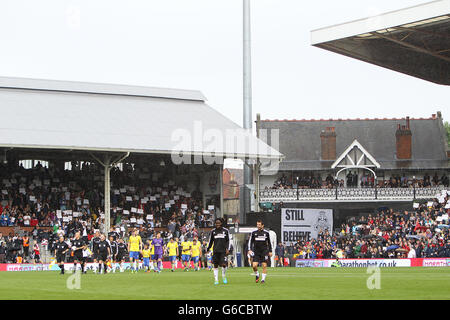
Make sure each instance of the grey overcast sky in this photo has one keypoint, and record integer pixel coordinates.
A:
(197, 44)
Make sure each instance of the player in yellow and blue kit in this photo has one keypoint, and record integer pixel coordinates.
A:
(134, 247)
(172, 247)
(186, 254)
(146, 257)
(196, 250)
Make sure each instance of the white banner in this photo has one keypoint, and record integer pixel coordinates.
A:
(304, 224)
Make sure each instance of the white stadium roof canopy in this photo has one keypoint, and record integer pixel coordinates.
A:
(414, 41)
(49, 114)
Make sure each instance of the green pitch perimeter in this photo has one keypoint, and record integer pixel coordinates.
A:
(281, 283)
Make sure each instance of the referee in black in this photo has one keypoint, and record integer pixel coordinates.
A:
(220, 238)
(260, 247)
(61, 248)
(104, 251)
(78, 245)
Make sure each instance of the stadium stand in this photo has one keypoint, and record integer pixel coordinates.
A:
(422, 233)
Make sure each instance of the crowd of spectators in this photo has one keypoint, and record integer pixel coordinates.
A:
(69, 200)
(311, 181)
(422, 233)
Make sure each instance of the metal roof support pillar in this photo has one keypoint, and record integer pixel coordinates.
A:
(107, 165)
(107, 211)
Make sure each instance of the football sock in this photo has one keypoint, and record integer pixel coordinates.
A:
(263, 276)
(224, 271)
(216, 274)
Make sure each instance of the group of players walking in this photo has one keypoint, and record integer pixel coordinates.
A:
(111, 254)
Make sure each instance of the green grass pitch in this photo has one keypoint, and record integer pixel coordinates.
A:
(281, 284)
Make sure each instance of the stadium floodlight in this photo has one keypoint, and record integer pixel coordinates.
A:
(247, 82)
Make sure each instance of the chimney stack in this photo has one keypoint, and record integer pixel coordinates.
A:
(404, 141)
(328, 140)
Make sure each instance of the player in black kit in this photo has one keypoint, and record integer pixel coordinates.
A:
(121, 253)
(61, 248)
(104, 251)
(260, 247)
(78, 246)
(94, 247)
(220, 238)
(114, 248)
(113, 233)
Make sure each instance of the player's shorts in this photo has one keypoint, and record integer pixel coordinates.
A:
(146, 262)
(261, 257)
(60, 257)
(172, 258)
(134, 255)
(120, 257)
(78, 256)
(95, 255)
(157, 256)
(195, 259)
(102, 256)
(219, 258)
(185, 257)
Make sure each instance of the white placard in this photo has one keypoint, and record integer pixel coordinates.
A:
(211, 207)
(102, 215)
(129, 198)
(187, 195)
(304, 224)
(140, 221)
(183, 206)
(430, 204)
(167, 205)
(152, 198)
(79, 202)
(172, 201)
(123, 190)
(76, 214)
(176, 197)
(149, 217)
(86, 201)
(32, 198)
(66, 219)
(22, 190)
(136, 197)
(415, 205)
(116, 192)
(164, 193)
(132, 220)
(70, 218)
(68, 212)
(134, 210)
(64, 189)
(447, 206)
(4, 191)
(157, 195)
(46, 182)
(143, 201)
(126, 212)
(140, 211)
(206, 211)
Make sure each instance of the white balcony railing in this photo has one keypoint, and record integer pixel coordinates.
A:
(349, 194)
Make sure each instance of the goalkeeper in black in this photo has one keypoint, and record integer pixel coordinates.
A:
(220, 241)
(259, 245)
